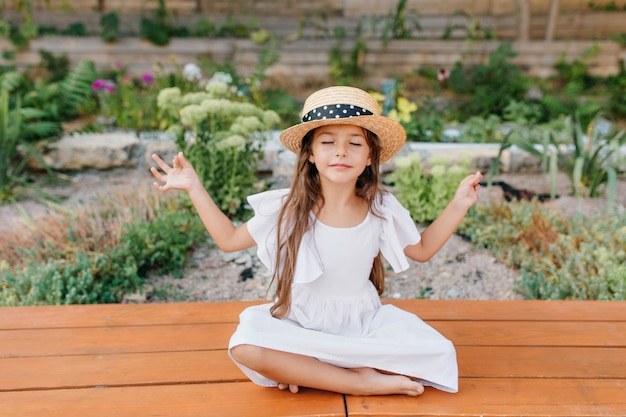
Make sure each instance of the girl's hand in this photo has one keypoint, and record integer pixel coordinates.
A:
(467, 193)
(179, 176)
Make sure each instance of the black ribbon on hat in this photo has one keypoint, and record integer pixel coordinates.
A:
(336, 111)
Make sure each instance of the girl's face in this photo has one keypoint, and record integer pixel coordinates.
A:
(340, 152)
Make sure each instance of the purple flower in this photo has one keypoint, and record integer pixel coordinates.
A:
(102, 85)
(147, 78)
(108, 87)
(97, 85)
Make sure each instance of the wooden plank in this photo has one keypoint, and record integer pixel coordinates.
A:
(83, 371)
(47, 317)
(111, 340)
(541, 362)
(188, 337)
(199, 400)
(504, 397)
(526, 310)
(518, 333)
(190, 313)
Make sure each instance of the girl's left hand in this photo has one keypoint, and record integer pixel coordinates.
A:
(467, 193)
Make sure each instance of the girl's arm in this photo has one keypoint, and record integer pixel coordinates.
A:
(182, 176)
(438, 233)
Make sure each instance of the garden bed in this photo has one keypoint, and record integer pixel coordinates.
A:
(458, 271)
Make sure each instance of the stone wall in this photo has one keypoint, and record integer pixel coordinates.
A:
(298, 7)
(305, 62)
(572, 25)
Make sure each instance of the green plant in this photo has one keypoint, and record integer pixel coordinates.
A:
(350, 70)
(605, 7)
(617, 92)
(489, 88)
(158, 29)
(471, 28)
(401, 23)
(109, 27)
(8, 144)
(234, 28)
(577, 257)
(13, 123)
(75, 29)
(575, 74)
(483, 130)
(21, 34)
(61, 101)
(426, 193)
(227, 139)
(98, 253)
(592, 158)
(204, 28)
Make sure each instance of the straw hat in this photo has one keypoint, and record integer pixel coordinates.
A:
(346, 105)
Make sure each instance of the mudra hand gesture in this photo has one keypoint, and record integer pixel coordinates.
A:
(179, 176)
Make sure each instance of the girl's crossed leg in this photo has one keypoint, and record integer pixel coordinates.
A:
(294, 370)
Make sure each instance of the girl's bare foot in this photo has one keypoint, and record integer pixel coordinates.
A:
(292, 387)
(377, 383)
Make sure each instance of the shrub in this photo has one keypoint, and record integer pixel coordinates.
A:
(426, 194)
(224, 138)
(98, 253)
(578, 257)
(490, 87)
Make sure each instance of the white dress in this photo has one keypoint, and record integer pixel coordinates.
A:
(336, 315)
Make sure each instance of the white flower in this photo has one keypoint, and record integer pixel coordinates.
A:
(245, 125)
(408, 161)
(270, 118)
(236, 142)
(216, 89)
(192, 115)
(212, 106)
(192, 72)
(169, 98)
(194, 98)
(221, 78)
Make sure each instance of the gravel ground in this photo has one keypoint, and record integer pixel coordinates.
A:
(457, 272)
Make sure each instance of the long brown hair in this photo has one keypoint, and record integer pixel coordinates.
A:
(294, 219)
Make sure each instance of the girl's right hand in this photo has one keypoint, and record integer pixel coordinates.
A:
(179, 176)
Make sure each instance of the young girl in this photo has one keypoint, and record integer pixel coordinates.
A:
(323, 240)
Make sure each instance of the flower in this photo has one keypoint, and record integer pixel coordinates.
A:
(221, 78)
(192, 72)
(169, 97)
(147, 78)
(101, 85)
(246, 124)
(192, 115)
(271, 118)
(216, 89)
(443, 74)
(236, 142)
(403, 111)
(408, 160)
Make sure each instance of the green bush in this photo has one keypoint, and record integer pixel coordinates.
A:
(90, 266)
(224, 139)
(426, 194)
(489, 87)
(578, 257)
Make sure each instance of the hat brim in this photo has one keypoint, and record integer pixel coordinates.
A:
(391, 133)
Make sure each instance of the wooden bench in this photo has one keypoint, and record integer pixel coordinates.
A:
(516, 358)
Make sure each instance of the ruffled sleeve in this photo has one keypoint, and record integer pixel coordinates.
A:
(262, 226)
(399, 231)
